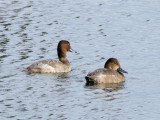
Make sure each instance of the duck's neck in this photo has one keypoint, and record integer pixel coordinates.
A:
(64, 61)
(63, 57)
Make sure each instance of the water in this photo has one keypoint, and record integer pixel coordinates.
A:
(99, 29)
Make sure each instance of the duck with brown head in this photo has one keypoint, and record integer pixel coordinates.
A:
(52, 66)
(111, 73)
(62, 49)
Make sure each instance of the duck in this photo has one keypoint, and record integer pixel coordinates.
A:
(111, 73)
(54, 66)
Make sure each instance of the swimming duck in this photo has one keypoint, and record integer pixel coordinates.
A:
(53, 66)
(111, 73)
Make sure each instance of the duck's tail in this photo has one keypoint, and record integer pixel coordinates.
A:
(34, 70)
(89, 80)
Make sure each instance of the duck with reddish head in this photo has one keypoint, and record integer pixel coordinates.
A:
(53, 66)
(111, 73)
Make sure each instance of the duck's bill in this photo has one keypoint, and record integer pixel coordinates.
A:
(121, 70)
(71, 50)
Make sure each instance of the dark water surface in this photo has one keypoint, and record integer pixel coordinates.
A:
(126, 29)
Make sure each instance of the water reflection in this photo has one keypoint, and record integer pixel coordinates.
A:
(108, 87)
(3, 47)
(29, 31)
(58, 75)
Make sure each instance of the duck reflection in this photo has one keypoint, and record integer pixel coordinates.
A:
(108, 87)
(58, 75)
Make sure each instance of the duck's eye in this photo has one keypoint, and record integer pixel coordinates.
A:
(115, 63)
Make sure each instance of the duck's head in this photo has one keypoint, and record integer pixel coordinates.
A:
(64, 46)
(113, 64)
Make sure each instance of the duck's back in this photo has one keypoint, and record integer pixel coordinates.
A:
(105, 76)
(49, 66)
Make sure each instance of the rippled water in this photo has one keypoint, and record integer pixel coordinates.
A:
(99, 29)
